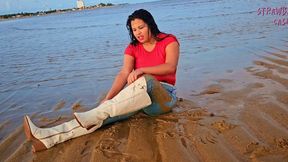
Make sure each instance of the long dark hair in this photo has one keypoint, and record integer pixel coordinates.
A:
(148, 19)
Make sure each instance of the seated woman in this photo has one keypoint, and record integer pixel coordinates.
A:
(145, 82)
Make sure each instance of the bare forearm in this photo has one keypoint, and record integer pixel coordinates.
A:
(118, 84)
(162, 69)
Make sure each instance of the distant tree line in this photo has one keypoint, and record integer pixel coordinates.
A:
(107, 4)
(27, 14)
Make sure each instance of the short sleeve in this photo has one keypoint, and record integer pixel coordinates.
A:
(171, 38)
(129, 50)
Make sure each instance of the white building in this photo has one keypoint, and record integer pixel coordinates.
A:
(80, 4)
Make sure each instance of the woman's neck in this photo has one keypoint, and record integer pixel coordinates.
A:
(150, 42)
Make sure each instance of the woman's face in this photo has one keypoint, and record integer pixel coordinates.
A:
(140, 30)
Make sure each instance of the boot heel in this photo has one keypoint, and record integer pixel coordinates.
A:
(27, 130)
(37, 145)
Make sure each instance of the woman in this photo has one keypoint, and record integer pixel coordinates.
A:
(149, 71)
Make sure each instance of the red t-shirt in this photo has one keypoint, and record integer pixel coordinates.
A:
(156, 57)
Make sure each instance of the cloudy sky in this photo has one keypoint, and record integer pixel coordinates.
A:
(16, 6)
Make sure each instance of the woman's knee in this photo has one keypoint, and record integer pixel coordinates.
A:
(151, 83)
(149, 78)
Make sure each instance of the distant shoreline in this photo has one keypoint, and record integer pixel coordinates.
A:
(43, 13)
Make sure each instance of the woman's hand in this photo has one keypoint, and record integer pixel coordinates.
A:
(134, 75)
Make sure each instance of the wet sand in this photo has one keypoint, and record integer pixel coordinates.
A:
(232, 81)
(241, 117)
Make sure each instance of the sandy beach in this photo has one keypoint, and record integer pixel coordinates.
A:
(240, 119)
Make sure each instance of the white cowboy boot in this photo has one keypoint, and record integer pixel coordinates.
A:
(44, 138)
(132, 98)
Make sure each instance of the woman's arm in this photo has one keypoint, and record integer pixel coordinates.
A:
(121, 78)
(170, 65)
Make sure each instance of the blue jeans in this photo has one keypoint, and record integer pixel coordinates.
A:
(162, 95)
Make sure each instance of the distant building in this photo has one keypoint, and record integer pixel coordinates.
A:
(80, 4)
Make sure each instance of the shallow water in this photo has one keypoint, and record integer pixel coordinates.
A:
(73, 57)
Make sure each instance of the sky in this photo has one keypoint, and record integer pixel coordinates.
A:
(16, 6)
